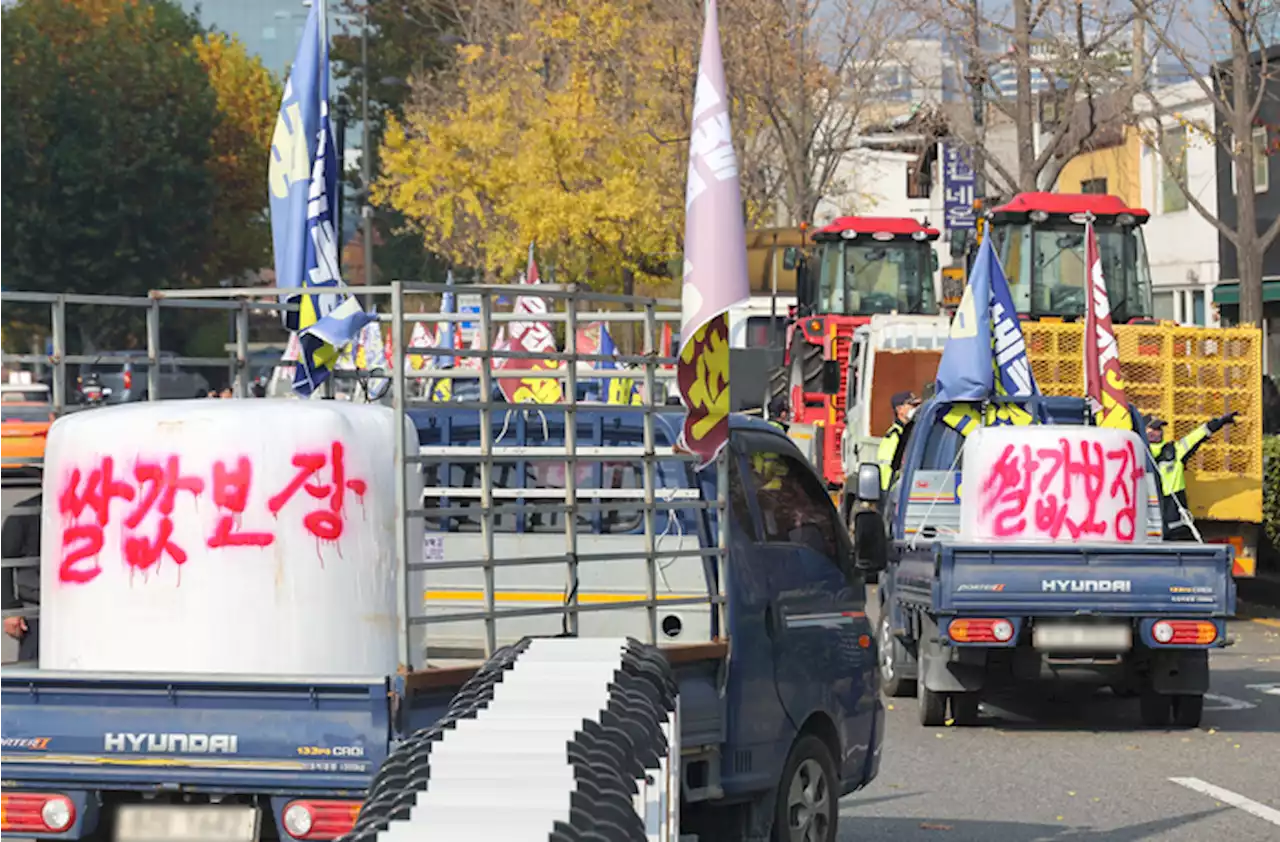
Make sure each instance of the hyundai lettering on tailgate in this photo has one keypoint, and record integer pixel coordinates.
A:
(1086, 586)
(171, 743)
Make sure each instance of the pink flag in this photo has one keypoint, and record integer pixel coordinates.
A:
(1103, 383)
(715, 256)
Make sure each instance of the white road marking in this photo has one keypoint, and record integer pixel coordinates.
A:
(1226, 703)
(1269, 689)
(1226, 796)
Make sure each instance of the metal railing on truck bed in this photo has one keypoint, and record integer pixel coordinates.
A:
(608, 487)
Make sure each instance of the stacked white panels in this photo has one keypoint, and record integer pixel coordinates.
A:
(561, 739)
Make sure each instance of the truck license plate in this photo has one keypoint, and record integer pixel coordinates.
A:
(1083, 637)
(186, 823)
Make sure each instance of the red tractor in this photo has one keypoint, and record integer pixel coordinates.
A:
(860, 266)
(865, 269)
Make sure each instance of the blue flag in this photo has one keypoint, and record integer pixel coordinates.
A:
(446, 337)
(986, 355)
(303, 184)
(618, 390)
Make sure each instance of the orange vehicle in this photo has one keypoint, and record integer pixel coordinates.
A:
(25, 417)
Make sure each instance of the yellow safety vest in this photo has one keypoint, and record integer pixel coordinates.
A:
(888, 449)
(1170, 456)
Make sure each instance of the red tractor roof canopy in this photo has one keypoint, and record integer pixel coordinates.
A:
(897, 226)
(1066, 204)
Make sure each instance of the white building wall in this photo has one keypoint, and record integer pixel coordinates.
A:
(1182, 245)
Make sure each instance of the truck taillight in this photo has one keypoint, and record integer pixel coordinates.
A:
(1184, 632)
(36, 812)
(984, 630)
(128, 379)
(313, 819)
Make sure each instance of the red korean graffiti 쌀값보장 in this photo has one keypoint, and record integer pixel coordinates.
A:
(1072, 490)
(153, 485)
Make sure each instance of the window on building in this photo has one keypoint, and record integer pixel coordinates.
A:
(1097, 186)
(1162, 306)
(1197, 307)
(1261, 164)
(1173, 170)
(1261, 161)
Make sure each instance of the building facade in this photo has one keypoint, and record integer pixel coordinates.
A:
(1179, 157)
(1266, 133)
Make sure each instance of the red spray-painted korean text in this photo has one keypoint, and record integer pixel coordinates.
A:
(154, 485)
(1080, 492)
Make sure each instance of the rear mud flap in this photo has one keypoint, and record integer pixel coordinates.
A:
(953, 669)
(1185, 671)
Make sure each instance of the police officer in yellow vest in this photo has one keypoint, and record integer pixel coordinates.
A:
(1170, 458)
(890, 453)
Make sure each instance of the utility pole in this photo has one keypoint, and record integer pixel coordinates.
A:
(366, 163)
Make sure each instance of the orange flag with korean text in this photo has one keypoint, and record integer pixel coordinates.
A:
(715, 256)
(1103, 382)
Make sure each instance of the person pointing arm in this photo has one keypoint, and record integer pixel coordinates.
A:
(1170, 458)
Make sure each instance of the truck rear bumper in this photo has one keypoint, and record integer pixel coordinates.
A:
(96, 814)
(970, 669)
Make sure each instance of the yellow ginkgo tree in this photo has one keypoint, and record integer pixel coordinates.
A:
(567, 133)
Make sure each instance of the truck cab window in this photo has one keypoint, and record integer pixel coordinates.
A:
(793, 507)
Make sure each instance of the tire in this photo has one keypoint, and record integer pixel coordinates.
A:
(806, 808)
(892, 654)
(1155, 709)
(933, 706)
(1187, 708)
(964, 708)
(806, 367)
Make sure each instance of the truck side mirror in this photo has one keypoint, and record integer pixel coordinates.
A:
(803, 293)
(831, 377)
(870, 545)
(790, 256)
(867, 488)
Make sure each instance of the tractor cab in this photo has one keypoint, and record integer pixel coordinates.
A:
(863, 265)
(1040, 240)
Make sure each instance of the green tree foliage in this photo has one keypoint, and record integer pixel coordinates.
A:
(1271, 490)
(106, 148)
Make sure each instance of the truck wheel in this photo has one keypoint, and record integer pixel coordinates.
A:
(806, 367)
(1155, 709)
(1187, 709)
(807, 794)
(964, 708)
(892, 655)
(933, 706)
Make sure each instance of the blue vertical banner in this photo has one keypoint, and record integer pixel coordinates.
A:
(985, 355)
(446, 338)
(302, 187)
(959, 184)
(616, 390)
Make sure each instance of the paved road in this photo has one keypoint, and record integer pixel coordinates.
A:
(11, 494)
(1039, 769)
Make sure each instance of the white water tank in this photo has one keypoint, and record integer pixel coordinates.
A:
(222, 536)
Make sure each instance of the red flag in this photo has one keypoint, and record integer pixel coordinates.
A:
(533, 337)
(1103, 383)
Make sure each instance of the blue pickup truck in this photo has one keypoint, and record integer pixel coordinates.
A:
(779, 691)
(960, 620)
